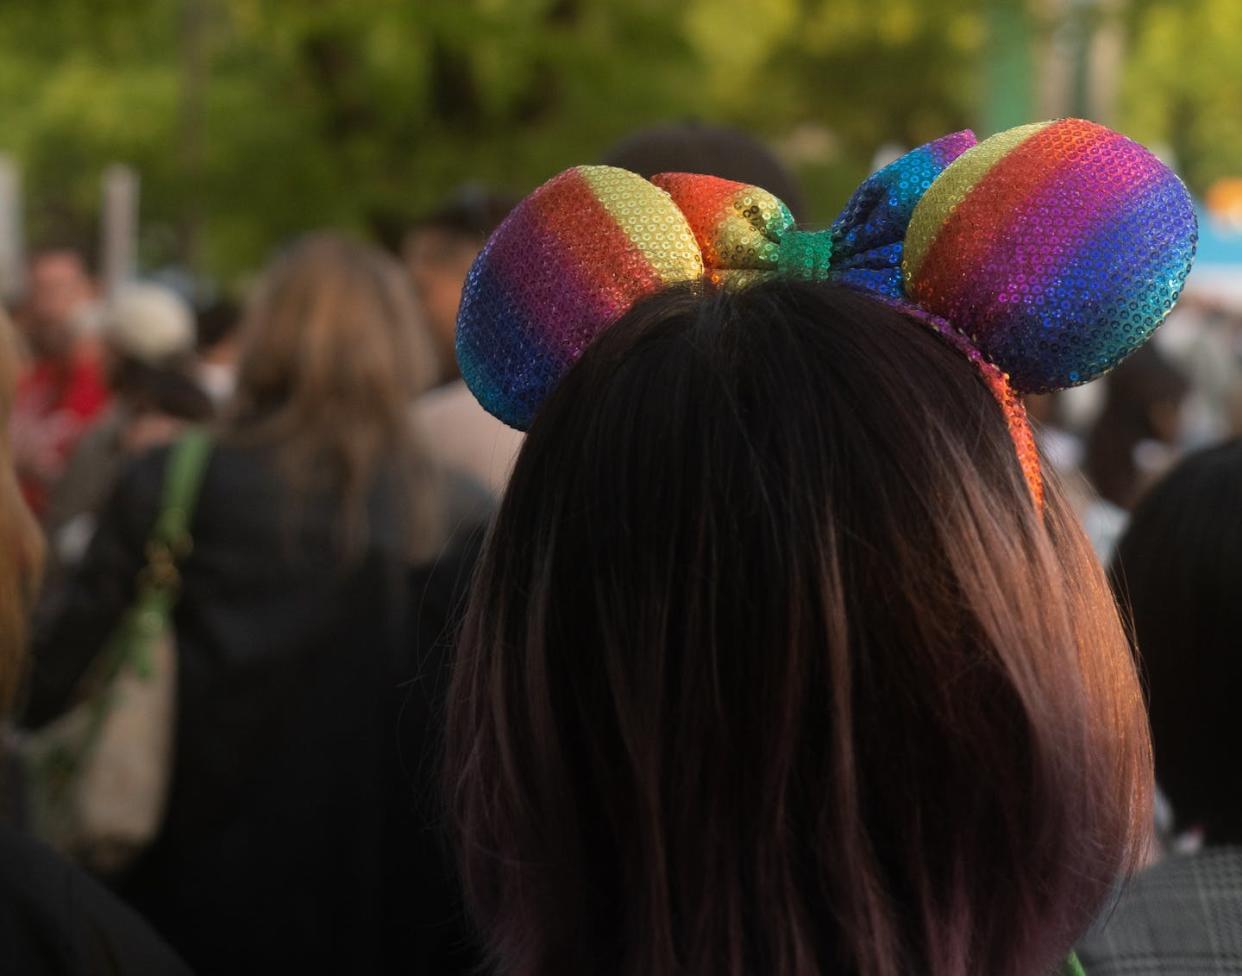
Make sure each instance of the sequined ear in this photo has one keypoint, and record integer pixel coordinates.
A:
(740, 228)
(566, 263)
(1056, 248)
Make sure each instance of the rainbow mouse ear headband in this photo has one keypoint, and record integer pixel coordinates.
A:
(1046, 254)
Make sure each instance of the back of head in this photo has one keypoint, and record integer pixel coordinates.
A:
(694, 147)
(149, 323)
(1144, 397)
(1179, 568)
(216, 324)
(472, 211)
(333, 354)
(773, 667)
(149, 334)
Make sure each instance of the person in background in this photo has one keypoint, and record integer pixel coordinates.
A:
(438, 251)
(1134, 437)
(1061, 448)
(147, 335)
(1064, 450)
(717, 150)
(54, 920)
(62, 388)
(218, 347)
(1132, 442)
(1178, 569)
(292, 840)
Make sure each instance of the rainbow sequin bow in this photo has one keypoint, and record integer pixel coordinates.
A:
(1047, 254)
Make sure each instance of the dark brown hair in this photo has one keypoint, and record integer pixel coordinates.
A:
(1179, 567)
(472, 211)
(771, 667)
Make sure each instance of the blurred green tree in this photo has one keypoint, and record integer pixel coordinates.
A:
(253, 120)
(1183, 84)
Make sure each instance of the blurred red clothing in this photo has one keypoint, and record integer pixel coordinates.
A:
(55, 404)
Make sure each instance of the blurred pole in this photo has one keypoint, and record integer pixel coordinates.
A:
(191, 123)
(1086, 54)
(12, 260)
(1079, 37)
(120, 226)
(1007, 71)
(1107, 60)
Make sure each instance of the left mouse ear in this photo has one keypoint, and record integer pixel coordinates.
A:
(1056, 248)
(567, 262)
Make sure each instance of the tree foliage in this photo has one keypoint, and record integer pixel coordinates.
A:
(1183, 84)
(253, 120)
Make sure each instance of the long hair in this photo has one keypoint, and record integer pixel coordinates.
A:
(1179, 569)
(333, 355)
(21, 542)
(771, 666)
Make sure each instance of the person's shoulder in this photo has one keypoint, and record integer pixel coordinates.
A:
(137, 495)
(54, 919)
(1208, 875)
(144, 474)
(447, 399)
(1184, 908)
(462, 435)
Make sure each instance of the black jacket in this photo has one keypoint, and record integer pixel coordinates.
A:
(301, 833)
(55, 921)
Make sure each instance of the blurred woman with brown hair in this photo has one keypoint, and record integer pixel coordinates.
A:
(53, 919)
(290, 811)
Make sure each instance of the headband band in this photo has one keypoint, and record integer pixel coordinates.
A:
(1045, 254)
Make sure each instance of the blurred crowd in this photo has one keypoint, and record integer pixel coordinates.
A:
(333, 533)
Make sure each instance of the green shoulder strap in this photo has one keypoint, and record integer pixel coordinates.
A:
(159, 583)
(1073, 967)
(184, 476)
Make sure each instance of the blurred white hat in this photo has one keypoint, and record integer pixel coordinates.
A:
(150, 323)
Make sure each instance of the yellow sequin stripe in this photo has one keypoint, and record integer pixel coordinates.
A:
(953, 186)
(650, 220)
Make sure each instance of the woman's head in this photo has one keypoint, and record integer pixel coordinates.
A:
(333, 354)
(148, 333)
(1144, 403)
(21, 544)
(772, 666)
(1179, 569)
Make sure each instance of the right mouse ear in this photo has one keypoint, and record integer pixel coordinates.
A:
(1055, 248)
(567, 262)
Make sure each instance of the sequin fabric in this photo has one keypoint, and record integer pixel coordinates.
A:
(1012, 406)
(567, 262)
(869, 235)
(1056, 248)
(1045, 254)
(742, 231)
(746, 233)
